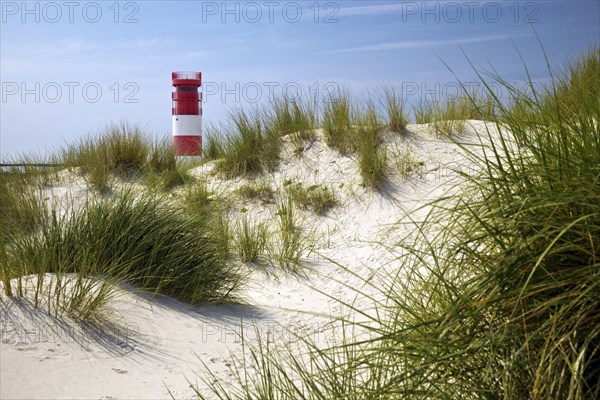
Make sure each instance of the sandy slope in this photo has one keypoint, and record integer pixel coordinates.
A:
(158, 345)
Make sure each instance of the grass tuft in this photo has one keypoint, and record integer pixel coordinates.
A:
(21, 207)
(213, 143)
(394, 107)
(121, 151)
(260, 190)
(404, 162)
(170, 179)
(294, 117)
(372, 160)
(143, 241)
(290, 244)
(251, 147)
(250, 239)
(337, 122)
(318, 198)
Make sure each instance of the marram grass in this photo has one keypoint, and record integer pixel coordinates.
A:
(125, 152)
(318, 198)
(253, 142)
(144, 241)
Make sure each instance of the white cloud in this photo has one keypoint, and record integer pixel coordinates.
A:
(401, 6)
(76, 54)
(412, 44)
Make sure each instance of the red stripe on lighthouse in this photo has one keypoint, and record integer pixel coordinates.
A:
(188, 146)
(186, 103)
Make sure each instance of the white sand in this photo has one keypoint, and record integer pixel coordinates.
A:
(159, 345)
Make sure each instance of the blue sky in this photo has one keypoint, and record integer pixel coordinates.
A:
(70, 68)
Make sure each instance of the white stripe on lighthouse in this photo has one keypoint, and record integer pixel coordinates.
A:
(187, 125)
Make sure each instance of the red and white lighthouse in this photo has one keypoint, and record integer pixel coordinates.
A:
(187, 114)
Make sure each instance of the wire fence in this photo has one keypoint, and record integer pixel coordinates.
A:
(23, 167)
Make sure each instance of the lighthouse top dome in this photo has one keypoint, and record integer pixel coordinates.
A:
(187, 79)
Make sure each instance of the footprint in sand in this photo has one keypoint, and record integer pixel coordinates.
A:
(26, 348)
(119, 371)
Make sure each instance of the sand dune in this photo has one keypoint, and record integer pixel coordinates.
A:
(156, 346)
